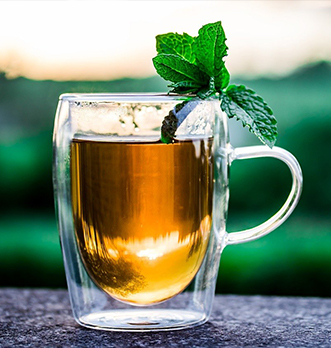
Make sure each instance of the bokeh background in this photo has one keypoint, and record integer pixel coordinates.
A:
(281, 49)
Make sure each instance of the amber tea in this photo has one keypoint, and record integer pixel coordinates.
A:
(142, 214)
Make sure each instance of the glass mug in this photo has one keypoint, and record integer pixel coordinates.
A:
(143, 223)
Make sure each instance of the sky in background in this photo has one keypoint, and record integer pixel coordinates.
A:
(79, 40)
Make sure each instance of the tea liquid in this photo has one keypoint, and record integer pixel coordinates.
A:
(142, 214)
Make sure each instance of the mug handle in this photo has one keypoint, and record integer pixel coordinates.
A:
(289, 205)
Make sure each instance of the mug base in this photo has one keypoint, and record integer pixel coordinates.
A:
(142, 320)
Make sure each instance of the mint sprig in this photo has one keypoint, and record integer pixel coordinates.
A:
(210, 49)
(195, 65)
(177, 69)
(173, 43)
(245, 105)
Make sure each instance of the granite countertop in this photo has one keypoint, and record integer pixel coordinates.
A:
(42, 318)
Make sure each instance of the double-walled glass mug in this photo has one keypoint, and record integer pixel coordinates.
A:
(143, 223)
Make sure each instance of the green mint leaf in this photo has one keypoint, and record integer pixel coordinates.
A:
(174, 43)
(248, 107)
(176, 117)
(169, 127)
(185, 87)
(210, 49)
(222, 79)
(170, 124)
(177, 69)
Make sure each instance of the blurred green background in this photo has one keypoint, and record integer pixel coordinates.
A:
(281, 49)
(294, 260)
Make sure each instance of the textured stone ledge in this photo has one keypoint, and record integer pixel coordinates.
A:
(42, 318)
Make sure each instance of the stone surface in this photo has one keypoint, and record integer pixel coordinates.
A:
(42, 318)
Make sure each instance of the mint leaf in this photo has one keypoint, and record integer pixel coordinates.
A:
(174, 43)
(170, 124)
(210, 49)
(222, 79)
(169, 127)
(175, 118)
(177, 69)
(185, 87)
(248, 107)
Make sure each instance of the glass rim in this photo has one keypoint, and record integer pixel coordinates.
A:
(124, 97)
